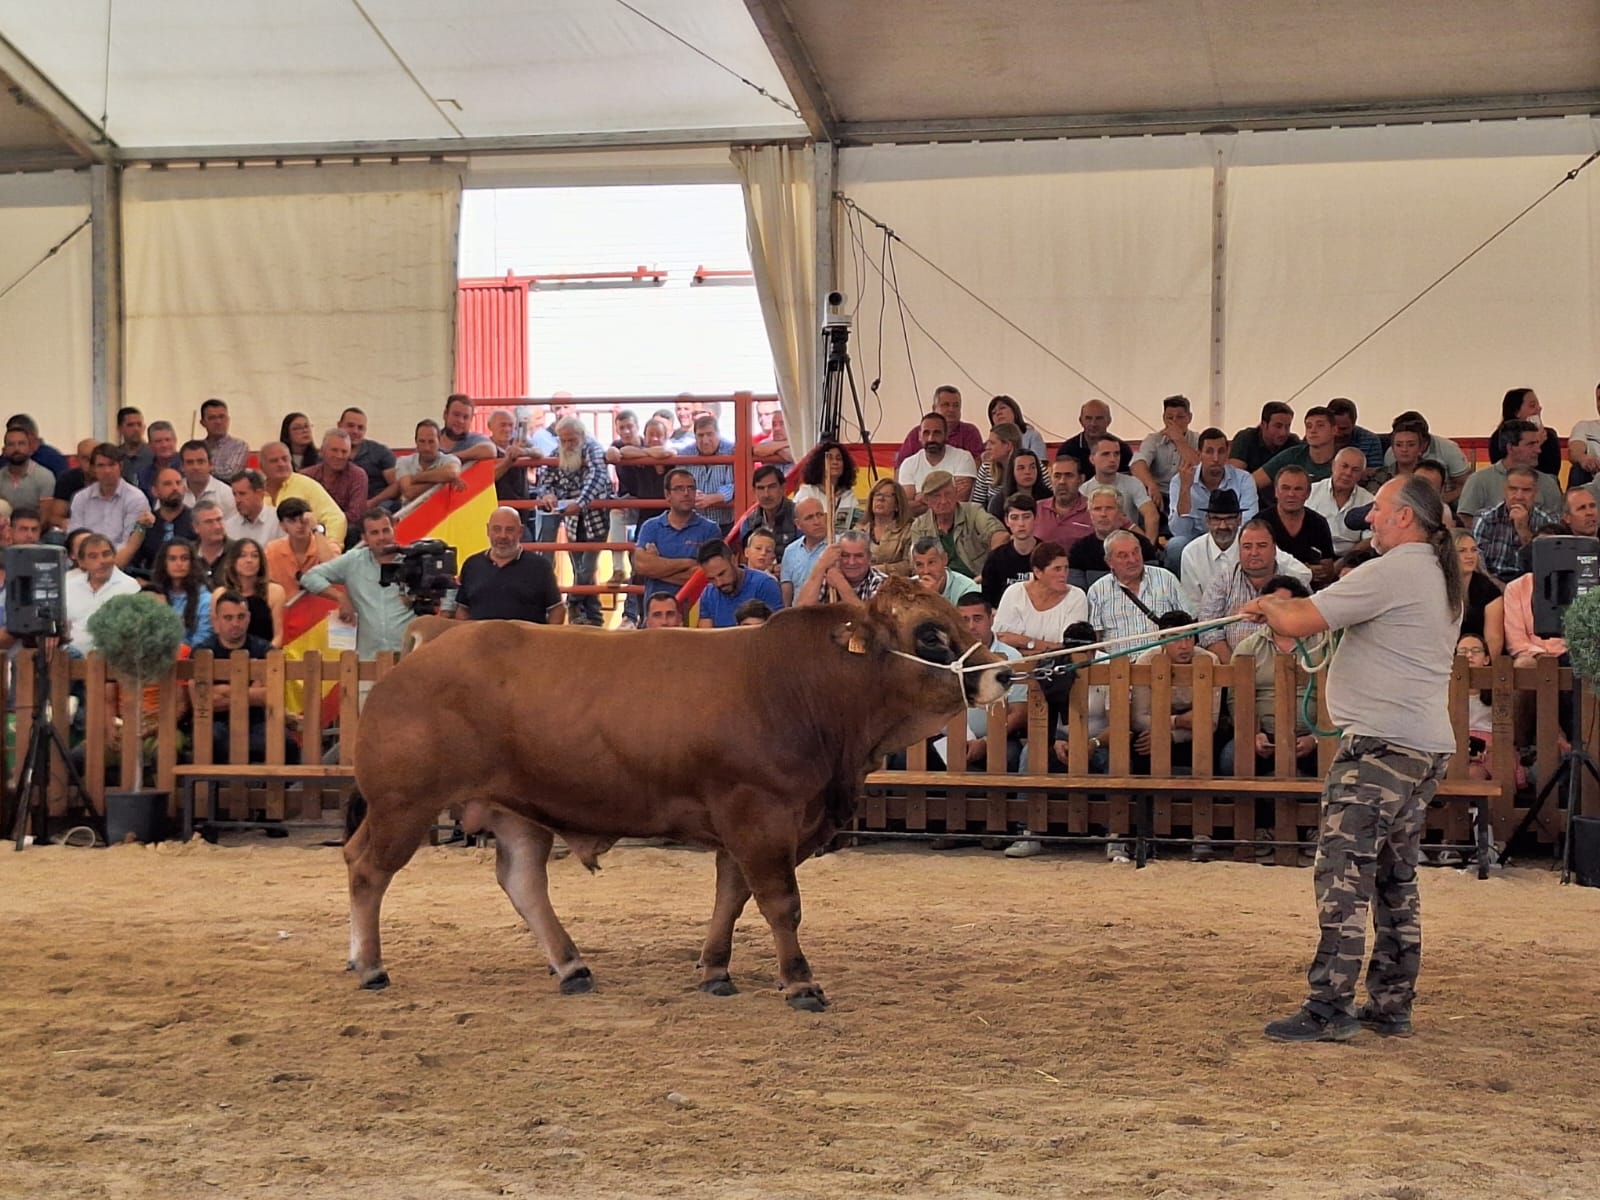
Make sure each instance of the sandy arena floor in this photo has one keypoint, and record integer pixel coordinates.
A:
(178, 1025)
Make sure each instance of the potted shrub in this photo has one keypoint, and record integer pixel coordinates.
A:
(139, 636)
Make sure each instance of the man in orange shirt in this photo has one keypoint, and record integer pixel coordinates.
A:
(300, 549)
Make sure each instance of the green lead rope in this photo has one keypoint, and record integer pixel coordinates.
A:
(1308, 702)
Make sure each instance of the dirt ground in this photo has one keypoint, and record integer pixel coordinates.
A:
(178, 1024)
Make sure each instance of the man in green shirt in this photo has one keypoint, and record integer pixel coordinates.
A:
(1315, 454)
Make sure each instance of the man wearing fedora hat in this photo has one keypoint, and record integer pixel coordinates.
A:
(1191, 489)
(1217, 551)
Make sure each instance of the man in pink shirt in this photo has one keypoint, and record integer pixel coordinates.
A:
(1064, 518)
(946, 402)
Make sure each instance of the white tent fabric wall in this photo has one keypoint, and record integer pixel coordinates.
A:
(780, 209)
(1110, 269)
(45, 319)
(295, 288)
(1320, 254)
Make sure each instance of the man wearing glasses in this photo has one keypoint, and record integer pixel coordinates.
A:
(669, 541)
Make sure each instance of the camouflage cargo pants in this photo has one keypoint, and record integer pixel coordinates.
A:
(1374, 805)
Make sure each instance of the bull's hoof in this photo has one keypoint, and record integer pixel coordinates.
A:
(578, 983)
(375, 981)
(719, 987)
(808, 1001)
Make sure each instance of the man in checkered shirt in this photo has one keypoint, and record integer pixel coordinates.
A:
(1502, 531)
(1128, 600)
(577, 478)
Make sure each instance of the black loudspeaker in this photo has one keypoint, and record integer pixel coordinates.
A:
(1586, 851)
(1564, 568)
(36, 604)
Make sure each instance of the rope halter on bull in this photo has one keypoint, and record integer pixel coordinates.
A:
(1141, 642)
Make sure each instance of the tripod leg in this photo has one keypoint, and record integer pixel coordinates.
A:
(1562, 773)
(29, 792)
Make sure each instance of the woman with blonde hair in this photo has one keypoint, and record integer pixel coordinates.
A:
(887, 522)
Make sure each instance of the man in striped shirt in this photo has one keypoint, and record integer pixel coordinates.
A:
(1129, 600)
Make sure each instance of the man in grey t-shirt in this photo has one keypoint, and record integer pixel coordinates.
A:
(1388, 687)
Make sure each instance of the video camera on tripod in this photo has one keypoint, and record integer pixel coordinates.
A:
(424, 570)
(836, 373)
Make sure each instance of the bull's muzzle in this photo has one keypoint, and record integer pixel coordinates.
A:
(986, 686)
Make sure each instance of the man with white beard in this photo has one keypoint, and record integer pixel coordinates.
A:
(567, 487)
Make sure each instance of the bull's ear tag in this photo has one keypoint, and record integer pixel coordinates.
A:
(852, 637)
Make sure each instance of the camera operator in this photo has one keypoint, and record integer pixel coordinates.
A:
(381, 613)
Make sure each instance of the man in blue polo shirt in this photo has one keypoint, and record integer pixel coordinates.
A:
(668, 543)
(801, 554)
(731, 586)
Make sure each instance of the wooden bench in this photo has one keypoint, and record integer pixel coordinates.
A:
(1218, 788)
(187, 777)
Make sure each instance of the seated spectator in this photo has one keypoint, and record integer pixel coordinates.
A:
(1033, 614)
(164, 454)
(930, 566)
(713, 496)
(457, 437)
(1583, 448)
(1338, 494)
(429, 467)
(1411, 443)
(210, 541)
(772, 444)
(958, 433)
(1012, 560)
(1002, 444)
(1087, 558)
(1296, 529)
(1265, 649)
(252, 516)
(1314, 456)
(1181, 652)
(1003, 410)
(73, 543)
(1581, 514)
(978, 617)
(1235, 585)
(294, 431)
(199, 483)
(845, 567)
(1255, 447)
(175, 577)
(1342, 412)
(341, 479)
(1023, 474)
(46, 455)
(112, 506)
(967, 532)
(669, 541)
(1094, 418)
(23, 482)
(1522, 441)
(801, 555)
(229, 455)
(637, 458)
(27, 527)
(299, 549)
(1096, 710)
(774, 511)
(373, 457)
(887, 523)
(506, 583)
(761, 551)
(136, 452)
(1480, 717)
(1125, 603)
(56, 509)
(731, 585)
(243, 571)
(830, 467)
(283, 483)
(1349, 561)
(1506, 529)
(1483, 615)
(661, 611)
(936, 458)
(1522, 404)
(1137, 504)
(1218, 550)
(84, 590)
(753, 612)
(1164, 450)
(1064, 518)
(1525, 646)
(171, 520)
(1189, 494)
(232, 635)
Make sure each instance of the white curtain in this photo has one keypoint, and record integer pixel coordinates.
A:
(780, 212)
(45, 364)
(297, 288)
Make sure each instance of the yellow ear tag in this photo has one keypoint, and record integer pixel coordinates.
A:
(858, 640)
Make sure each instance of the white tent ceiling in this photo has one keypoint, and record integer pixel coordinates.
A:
(211, 78)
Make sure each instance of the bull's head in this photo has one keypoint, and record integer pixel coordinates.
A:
(910, 619)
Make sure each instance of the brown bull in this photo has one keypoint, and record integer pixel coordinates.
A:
(753, 741)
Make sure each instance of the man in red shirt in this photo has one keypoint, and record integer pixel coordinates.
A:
(1064, 518)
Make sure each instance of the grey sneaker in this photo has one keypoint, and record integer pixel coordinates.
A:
(1117, 852)
(1397, 1024)
(1024, 848)
(1307, 1026)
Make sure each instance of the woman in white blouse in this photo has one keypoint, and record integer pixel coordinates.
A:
(831, 461)
(1034, 614)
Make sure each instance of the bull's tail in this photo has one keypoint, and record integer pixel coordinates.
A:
(355, 812)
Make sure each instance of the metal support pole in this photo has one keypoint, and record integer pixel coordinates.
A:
(1219, 274)
(105, 228)
(825, 171)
